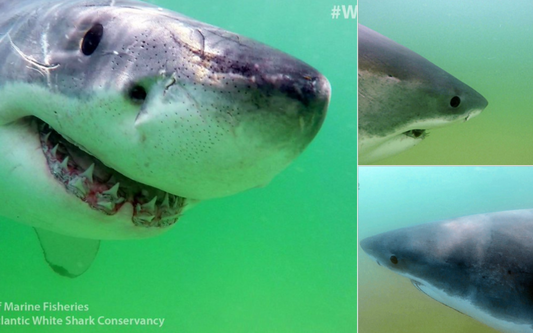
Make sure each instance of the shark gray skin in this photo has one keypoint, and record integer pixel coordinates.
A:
(116, 116)
(480, 265)
(401, 95)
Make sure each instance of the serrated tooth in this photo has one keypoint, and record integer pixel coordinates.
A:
(107, 205)
(138, 208)
(112, 179)
(143, 220)
(147, 218)
(165, 203)
(77, 185)
(113, 191)
(150, 206)
(64, 164)
(176, 203)
(47, 136)
(169, 220)
(54, 150)
(88, 173)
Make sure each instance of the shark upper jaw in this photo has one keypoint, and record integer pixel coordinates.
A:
(102, 188)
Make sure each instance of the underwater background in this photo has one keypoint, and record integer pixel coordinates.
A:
(277, 259)
(488, 45)
(397, 197)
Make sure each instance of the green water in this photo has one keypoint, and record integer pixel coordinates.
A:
(487, 45)
(278, 259)
(395, 197)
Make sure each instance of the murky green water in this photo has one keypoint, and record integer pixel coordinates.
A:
(486, 44)
(396, 197)
(277, 259)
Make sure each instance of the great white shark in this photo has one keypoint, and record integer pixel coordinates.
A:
(401, 95)
(116, 116)
(480, 265)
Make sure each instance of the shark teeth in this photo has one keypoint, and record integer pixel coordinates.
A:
(145, 220)
(165, 203)
(64, 164)
(113, 192)
(88, 173)
(54, 150)
(150, 206)
(151, 214)
(106, 206)
(78, 187)
(105, 189)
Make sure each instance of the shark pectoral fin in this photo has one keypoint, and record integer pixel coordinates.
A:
(421, 287)
(67, 256)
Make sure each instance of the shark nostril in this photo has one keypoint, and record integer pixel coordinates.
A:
(137, 94)
(308, 89)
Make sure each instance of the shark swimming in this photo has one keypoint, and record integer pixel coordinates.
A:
(480, 265)
(401, 95)
(117, 116)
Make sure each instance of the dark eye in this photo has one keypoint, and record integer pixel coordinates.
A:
(455, 101)
(91, 39)
(394, 260)
(137, 94)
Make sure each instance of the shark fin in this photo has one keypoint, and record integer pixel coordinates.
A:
(67, 256)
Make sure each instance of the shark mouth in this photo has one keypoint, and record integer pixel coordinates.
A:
(417, 285)
(416, 134)
(103, 188)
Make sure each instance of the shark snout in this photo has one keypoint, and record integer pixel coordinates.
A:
(272, 74)
(299, 89)
(365, 244)
(311, 89)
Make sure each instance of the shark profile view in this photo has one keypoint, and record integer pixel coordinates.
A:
(401, 95)
(480, 265)
(116, 116)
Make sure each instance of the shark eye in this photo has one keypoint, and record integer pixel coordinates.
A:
(91, 39)
(455, 101)
(394, 260)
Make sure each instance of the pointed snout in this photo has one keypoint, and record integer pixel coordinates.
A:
(309, 87)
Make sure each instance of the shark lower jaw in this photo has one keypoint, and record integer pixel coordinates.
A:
(375, 149)
(102, 188)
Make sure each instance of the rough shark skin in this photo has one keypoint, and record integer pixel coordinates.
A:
(401, 95)
(116, 116)
(480, 265)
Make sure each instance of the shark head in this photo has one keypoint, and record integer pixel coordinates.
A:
(402, 95)
(479, 264)
(118, 116)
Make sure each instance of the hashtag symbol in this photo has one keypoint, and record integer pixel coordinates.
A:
(335, 12)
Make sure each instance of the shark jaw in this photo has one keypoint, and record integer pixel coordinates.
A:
(103, 188)
(374, 148)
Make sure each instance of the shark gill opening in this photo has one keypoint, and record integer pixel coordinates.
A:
(103, 188)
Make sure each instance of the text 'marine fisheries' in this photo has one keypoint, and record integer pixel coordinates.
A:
(42, 307)
(29, 314)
